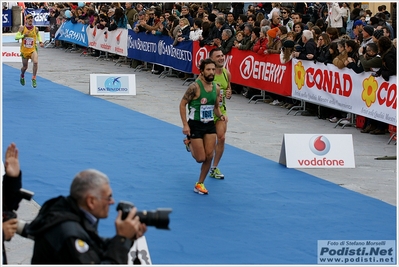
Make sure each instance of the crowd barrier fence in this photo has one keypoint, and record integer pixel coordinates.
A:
(325, 85)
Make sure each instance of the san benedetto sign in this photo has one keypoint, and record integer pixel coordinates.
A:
(317, 151)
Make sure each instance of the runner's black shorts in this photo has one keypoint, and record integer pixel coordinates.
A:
(198, 129)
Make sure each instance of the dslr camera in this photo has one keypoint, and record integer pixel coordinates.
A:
(10, 214)
(158, 218)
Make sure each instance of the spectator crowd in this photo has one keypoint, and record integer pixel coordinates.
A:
(342, 34)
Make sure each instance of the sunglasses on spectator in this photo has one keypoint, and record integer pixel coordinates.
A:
(101, 20)
(283, 12)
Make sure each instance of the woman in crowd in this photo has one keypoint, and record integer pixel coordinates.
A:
(239, 38)
(333, 33)
(387, 51)
(183, 33)
(274, 43)
(298, 29)
(323, 48)
(119, 20)
(196, 33)
(261, 44)
(333, 53)
(352, 49)
(339, 61)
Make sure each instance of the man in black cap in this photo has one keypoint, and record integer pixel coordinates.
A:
(367, 34)
(377, 34)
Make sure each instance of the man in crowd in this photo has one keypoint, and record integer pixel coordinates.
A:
(309, 48)
(201, 98)
(65, 230)
(29, 35)
(185, 13)
(131, 14)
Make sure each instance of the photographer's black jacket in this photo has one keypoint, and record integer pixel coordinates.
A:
(11, 187)
(11, 199)
(63, 235)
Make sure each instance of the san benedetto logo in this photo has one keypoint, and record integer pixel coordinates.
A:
(320, 146)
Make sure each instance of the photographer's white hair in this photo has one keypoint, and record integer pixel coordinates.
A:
(87, 182)
(307, 34)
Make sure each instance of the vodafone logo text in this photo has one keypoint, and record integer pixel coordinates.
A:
(320, 146)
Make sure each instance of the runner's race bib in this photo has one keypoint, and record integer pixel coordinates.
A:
(29, 42)
(206, 113)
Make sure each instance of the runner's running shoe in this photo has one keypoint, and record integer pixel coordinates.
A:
(215, 173)
(200, 188)
(34, 84)
(187, 144)
(22, 80)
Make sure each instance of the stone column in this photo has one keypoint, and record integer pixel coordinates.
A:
(16, 18)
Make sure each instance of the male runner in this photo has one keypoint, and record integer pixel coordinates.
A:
(201, 98)
(222, 78)
(29, 35)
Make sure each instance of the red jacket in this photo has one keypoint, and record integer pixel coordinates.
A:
(260, 46)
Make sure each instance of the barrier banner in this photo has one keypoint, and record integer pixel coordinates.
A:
(114, 42)
(264, 72)
(40, 16)
(361, 94)
(7, 19)
(73, 33)
(159, 49)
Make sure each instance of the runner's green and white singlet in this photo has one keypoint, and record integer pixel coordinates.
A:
(201, 109)
(223, 81)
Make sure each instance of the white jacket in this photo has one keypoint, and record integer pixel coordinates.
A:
(334, 18)
(195, 35)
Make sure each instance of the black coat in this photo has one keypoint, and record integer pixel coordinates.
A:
(388, 64)
(63, 235)
(11, 199)
(309, 48)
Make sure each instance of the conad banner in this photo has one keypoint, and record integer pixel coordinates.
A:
(114, 42)
(247, 68)
(361, 94)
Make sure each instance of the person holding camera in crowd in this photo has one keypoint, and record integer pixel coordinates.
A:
(12, 183)
(65, 230)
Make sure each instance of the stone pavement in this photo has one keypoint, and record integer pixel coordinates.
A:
(257, 128)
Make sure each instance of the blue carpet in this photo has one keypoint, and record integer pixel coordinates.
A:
(262, 213)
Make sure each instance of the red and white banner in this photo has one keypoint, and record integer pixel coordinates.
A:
(264, 72)
(114, 42)
(345, 90)
(10, 54)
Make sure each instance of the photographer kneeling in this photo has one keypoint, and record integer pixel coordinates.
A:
(65, 230)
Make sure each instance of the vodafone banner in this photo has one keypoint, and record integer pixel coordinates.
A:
(247, 68)
(114, 42)
(345, 90)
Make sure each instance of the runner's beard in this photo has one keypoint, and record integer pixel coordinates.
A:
(209, 78)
